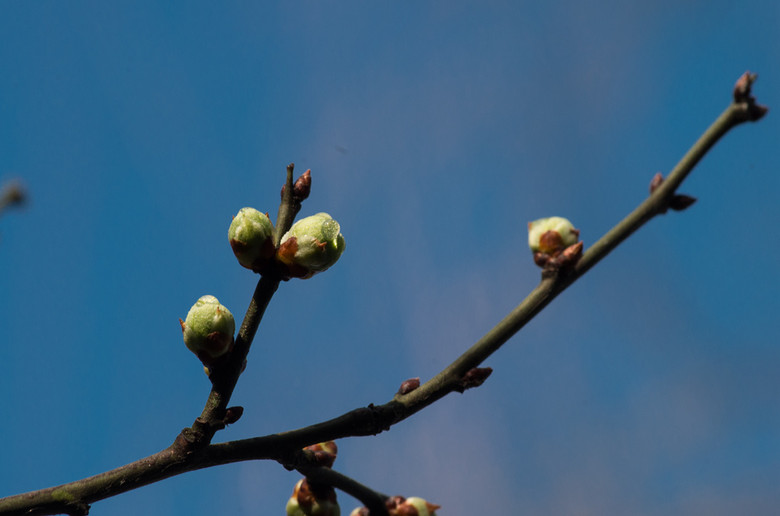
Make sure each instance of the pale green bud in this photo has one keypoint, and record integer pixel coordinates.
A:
(308, 501)
(208, 329)
(423, 507)
(251, 237)
(293, 508)
(312, 245)
(551, 235)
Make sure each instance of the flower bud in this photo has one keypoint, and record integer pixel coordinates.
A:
(551, 235)
(251, 237)
(323, 454)
(312, 245)
(416, 506)
(208, 329)
(310, 500)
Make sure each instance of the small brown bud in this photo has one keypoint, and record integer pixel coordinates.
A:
(657, 180)
(541, 258)
(409, 385)
(302, 186)
(742, 95)
(393, 502)
(742, 87)
(233, 414)
(679, 202)
(570, 255)
(474, 378)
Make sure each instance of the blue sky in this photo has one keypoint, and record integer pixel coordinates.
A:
(435, 132)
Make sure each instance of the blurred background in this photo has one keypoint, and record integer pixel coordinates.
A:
(435, 132)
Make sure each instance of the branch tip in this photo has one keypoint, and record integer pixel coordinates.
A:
(743, 96)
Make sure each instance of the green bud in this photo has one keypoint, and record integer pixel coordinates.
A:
(251, 237)
(551, 235)
(208, 329)
(309, 500)
(312, 245)
(423, 507)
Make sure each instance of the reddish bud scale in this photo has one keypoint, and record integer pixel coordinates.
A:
(570, 255)
(286, 255)
(474, 377)
(324, 454)
(657, 181)
(742, 95)
(550, 242)
(309, 495)
(302, 186)
(541, 258)
(409, 385)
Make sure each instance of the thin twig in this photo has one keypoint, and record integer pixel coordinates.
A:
(373, 500)
(287, 209)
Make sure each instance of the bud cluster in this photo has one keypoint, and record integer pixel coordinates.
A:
(312, 244)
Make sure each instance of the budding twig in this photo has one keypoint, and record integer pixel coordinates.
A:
(192, 451)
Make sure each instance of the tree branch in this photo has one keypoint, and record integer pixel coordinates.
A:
(224, 375)
(188, 454)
